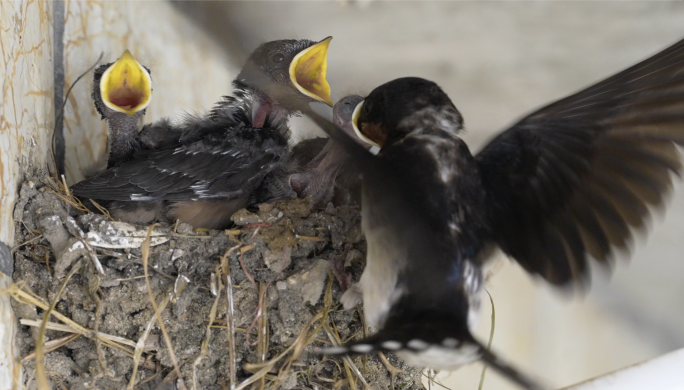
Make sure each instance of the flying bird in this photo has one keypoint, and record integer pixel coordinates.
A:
(569, 182)
(206, 168)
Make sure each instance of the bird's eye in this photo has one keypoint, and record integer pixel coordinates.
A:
(277, 58)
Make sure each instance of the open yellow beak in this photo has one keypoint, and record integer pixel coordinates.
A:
(126, 86)
(308, 69)
(355, 118)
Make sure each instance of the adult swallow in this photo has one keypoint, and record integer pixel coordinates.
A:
(570, 181)
(206, 168)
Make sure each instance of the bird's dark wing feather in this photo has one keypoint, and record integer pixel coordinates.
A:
(575, 177)
(214, 165)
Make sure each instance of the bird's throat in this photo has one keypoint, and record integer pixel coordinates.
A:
(123, 135)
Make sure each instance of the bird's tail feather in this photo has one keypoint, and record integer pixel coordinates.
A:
(492, 360)
(383, 344)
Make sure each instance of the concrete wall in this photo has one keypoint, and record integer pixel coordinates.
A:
(190, 72)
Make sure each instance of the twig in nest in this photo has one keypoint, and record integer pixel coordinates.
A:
(297, 347)
(204, 236)
(242, 263)
(262, 333)
(431, 380)
(140, 345)
(76, 231)
(103, 210)
(230, 312)
(204, 350)
(301, 342)
(392, 370)
(65, 187)
(260, 307)
(156, 374)
(167, 339)
(334, 337)
(73, 203)
(60, 118)
(110, 340)
(311, 238)
(51, 346)
(167, 382)
(92, 281)
(41, 375)
(491, 338)
(34, 239)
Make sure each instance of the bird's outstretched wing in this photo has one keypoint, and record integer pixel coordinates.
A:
(211, 166)
(576, 177)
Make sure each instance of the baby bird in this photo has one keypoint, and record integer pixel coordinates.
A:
(318, 177)
(315, 167)
(121, 93)
(206, 168)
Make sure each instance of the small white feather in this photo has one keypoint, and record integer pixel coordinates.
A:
(391, 345)
(417, 344)
(362, 348)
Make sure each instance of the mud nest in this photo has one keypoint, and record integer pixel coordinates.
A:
(283, 267)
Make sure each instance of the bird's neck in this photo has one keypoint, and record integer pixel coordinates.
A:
(124, 131)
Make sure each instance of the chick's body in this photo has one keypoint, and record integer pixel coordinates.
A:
(204, 169)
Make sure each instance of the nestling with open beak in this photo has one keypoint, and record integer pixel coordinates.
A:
(569, 181)
(121, 92)
(325, 178)
(206, 168)
(315, 167)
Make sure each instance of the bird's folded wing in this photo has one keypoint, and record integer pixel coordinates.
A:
(188, 172)
(576, 177)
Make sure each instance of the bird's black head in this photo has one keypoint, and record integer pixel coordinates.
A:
(343, 111)
(344, 108)
(300, 65)
(394, 109)
(122, 88)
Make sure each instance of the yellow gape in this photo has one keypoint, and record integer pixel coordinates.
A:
(126, 86)
(308, 69)
(355, 118)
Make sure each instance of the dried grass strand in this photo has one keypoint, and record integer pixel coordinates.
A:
(101, 209)
(41, 375)
(140, 345)
(51, 346)
(110, 340)
(167, 338)
(491, 338)
(204, 350)
(230, 313)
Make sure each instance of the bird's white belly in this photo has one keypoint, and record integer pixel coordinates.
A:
(379, 279)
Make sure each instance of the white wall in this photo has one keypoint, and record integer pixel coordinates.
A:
(190, 72)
